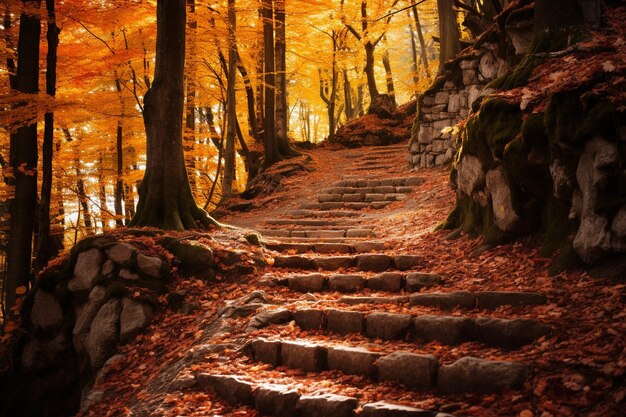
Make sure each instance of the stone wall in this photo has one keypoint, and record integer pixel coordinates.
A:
(449, 100)
(83, 308)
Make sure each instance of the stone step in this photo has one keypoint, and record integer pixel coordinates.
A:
(420, 372)
(350, 283)
(359, 198)
(347, 205)
(380, 189)
(448, 330)
(371, 167)
(325, 247)
(324, 214)
(364, 262)
(396, 182)
(456, 299)
(319, 233)
(362, 242)
(285, 400)
(312, 222)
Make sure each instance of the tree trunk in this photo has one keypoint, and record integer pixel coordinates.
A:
(23, 161)
(369, 71)
(190, 104)
(229, 155)
(347, 96)
(252, 119)
(450, 38)
(272, 154)
(389, 76)
(165, 197)
(416, 77)
(119, 184)
(282, 121)
(420, 36)
(45, 248)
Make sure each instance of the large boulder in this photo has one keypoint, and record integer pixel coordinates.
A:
(104, 333)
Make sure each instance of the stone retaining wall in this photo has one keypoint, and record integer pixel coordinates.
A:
(449, 100)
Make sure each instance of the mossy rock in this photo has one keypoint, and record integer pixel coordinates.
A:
(193, 258)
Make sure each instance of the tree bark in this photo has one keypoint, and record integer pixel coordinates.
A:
(450, 38)
(282, 120)
(23, 161)
(165, 197)
(45, 249)
(347, 96)
(252, 119)
(391, 90)
(189, 137)
(272, 154)
(420, 37)
(231, 109)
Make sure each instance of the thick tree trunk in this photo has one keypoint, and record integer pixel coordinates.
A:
(282, 120)
(450, 38)
(190, 104)
(23, 161)
(231, 106)
(45, 249)
(389, 76)
(272, 154)
(369, 71)
(165, 197)
(420, 37)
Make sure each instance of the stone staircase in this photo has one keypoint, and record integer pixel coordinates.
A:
(352, 322)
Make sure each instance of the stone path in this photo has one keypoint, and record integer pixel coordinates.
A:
(343, 313)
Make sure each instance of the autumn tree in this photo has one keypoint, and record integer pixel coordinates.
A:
(231, 103)
(23, 159)
(165, 197)
(369, 41)
(449, 36)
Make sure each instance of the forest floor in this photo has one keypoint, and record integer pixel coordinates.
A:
(577, 369)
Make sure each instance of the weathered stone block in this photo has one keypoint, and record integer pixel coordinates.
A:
(387, 326)
(276, 400)
(134, 317)
(495, 299)
(305, 356)
(104, 333)
(464, 299)
(332, 263)
(326, 405)
(445, 329)
(150, 265)
(411, 369)
(415, 281)
(470, 374)
(86, 270)
(344, 322)
(121, 252)
(376, 263)
(307, 283)
(352, 360)
(386, 281)
(292, 262)
(509, 333)
(309, 319)
(346, 283)
(267, 351)
(404, 262)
